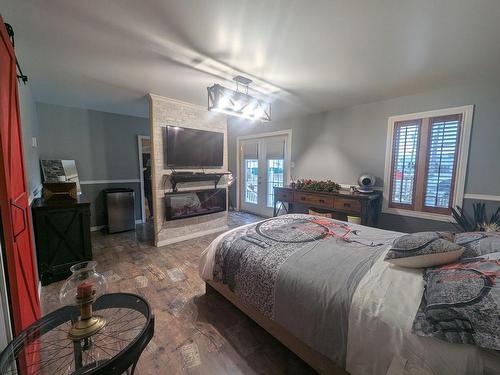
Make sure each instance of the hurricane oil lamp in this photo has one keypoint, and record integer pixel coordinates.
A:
(82, 289)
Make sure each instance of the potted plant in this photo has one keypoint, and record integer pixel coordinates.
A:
(479, 221)
(317, 185)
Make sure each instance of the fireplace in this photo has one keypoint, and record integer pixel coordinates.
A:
(180, 205)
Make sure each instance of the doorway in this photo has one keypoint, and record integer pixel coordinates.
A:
(144, 146)
(264, 163)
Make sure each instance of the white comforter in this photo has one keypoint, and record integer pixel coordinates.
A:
(380, 319)
(380, 339)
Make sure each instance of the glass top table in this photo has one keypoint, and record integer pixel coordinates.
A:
(45, 347)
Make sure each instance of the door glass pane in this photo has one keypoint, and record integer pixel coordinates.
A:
(251, 180)
(274, 178)
(405, 157)
(440, 171)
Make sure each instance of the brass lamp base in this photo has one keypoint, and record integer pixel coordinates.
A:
(86, 327)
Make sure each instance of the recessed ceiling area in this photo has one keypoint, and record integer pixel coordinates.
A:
(107, 55)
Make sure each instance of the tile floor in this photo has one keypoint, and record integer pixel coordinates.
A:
(194, 333)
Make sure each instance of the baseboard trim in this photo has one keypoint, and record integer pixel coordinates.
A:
(97, 182)
(99, 227)
(483, 197)
(191, 236)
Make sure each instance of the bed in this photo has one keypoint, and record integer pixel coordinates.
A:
(322, 288)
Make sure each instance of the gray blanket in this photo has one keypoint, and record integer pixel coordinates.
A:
(301, 271)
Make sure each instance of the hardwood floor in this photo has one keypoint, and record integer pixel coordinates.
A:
(194, 333)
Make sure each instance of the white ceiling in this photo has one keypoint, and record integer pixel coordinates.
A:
(108, 54)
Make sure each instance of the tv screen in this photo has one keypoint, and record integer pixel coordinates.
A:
(192, 148)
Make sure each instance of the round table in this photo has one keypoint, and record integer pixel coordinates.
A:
(45, 347)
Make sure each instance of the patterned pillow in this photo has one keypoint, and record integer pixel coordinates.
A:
(478, 243)
(423, 249)
(461, 302)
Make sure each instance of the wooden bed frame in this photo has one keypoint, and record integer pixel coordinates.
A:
(316, 360)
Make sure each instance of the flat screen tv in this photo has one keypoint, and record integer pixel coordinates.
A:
(192, 148)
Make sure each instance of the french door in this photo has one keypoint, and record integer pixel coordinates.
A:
(264, 165)
(15, 219)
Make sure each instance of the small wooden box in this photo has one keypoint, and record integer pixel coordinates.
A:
(59, 192)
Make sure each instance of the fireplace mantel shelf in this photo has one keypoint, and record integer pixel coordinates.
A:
(180, 177)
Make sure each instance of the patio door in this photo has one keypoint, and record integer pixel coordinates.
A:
(264, 165)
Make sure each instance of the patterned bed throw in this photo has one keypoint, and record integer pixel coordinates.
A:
(301, 271)
(461, 302)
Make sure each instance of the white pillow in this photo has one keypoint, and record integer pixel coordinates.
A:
(423, 249)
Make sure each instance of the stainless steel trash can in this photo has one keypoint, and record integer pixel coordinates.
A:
(120, 213)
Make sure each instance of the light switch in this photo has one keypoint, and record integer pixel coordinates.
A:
(34, 142)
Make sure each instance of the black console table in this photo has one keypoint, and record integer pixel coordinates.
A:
(62, 237)
(365, 205)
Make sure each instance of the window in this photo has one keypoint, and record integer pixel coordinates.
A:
(426, 161)
(251, 178)
(275, 178)
(406, 137)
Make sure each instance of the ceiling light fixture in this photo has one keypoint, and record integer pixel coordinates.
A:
(238, 103)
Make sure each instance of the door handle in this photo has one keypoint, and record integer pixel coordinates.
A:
(23, 211)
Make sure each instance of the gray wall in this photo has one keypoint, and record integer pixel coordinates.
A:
(307, 140)
(103, 145)
(341, 144)
(30, 129)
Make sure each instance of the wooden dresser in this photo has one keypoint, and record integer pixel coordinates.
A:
(62, 237)
(366, 206)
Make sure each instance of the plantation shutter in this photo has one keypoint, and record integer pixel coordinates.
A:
(444, 134)
(405, 154)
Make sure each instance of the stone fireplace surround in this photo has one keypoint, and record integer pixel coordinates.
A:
(171, 112)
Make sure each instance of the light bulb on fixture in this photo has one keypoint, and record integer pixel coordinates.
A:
(237, 103)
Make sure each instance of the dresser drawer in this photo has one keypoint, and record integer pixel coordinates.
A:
(351, 205)
(283, 195)
(316, 200)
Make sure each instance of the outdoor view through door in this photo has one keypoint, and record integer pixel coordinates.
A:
(251, 180)
(263, 167)
(275, 177)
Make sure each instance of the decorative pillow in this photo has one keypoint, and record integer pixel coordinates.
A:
(423, 249)
(478, 243)
(461, 302)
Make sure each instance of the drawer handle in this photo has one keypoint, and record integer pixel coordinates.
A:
(347, 205)
(321, 201)
(303, 198)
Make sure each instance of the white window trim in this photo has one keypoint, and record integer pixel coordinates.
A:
(463, 155)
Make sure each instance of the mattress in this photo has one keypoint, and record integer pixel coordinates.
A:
(327, 284)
